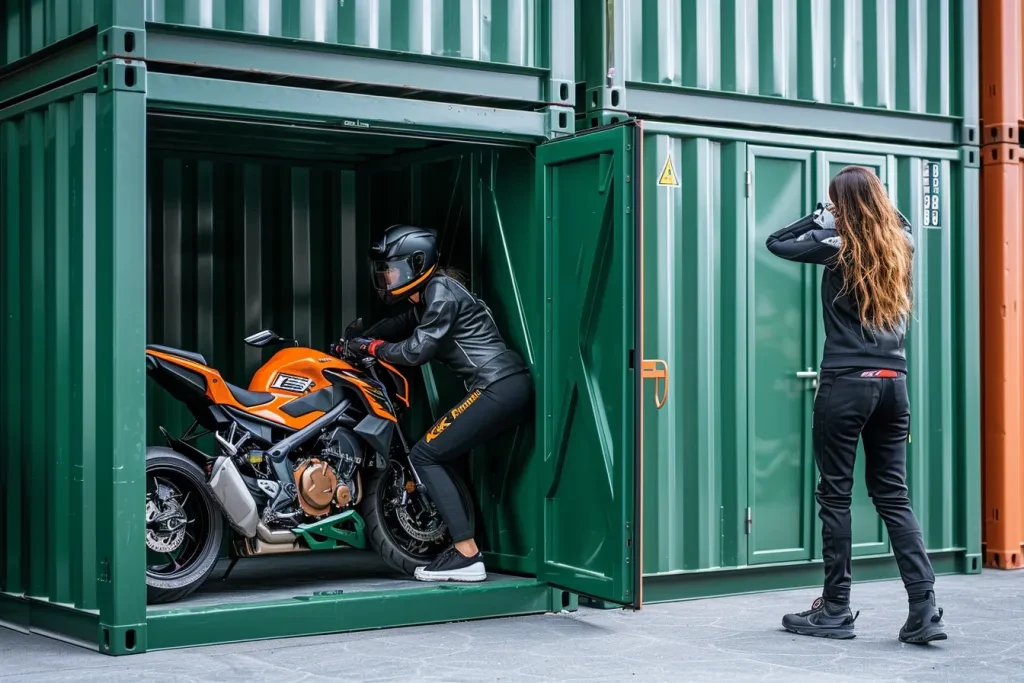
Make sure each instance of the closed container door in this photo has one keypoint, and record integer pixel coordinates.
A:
(588, 397)
(869, 534)
(783, 342)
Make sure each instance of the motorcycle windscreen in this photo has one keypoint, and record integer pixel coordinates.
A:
(591, 505)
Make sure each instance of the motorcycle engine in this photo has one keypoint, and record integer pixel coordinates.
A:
(331, 478)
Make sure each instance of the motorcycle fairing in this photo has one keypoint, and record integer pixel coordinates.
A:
(294, 388)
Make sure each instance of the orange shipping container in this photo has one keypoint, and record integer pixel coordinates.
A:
(1002, 287)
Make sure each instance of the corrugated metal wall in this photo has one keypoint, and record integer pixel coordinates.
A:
(29, 26)
(499, 31)
(735, 324)
(899, 55)
(50, 336)
(71, 461)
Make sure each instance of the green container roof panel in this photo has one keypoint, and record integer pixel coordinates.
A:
(729, 472)
(500, 31)
(863, 53)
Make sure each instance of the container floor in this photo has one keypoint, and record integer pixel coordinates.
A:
(263, 579)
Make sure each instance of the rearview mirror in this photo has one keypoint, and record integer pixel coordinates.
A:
(265, 338)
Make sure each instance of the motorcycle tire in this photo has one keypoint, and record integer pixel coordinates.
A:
(163, 590)
(379, 539)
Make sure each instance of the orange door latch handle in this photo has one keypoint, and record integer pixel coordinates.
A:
(658, 371)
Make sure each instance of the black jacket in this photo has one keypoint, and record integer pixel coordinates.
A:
(848, 343)
(452, 326)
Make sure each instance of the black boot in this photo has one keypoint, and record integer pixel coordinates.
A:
(924, 623)
(824, 619)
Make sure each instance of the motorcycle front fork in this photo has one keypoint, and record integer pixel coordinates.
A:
(420, 487)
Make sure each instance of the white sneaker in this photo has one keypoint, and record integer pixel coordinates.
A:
(451, 565)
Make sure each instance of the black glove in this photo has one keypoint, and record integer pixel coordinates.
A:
(363, 346)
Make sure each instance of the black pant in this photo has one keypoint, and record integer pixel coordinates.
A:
(480, 416)
(849, 406)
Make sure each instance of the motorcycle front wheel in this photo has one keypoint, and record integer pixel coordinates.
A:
(183, 526)
(405, 535)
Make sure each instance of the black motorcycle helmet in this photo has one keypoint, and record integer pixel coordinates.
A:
(402, 261)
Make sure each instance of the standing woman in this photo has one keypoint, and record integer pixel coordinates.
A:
(866, 247)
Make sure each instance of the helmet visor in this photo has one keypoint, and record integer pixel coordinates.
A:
(391, 275)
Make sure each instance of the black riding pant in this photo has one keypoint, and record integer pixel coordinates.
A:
(479, 417)
(849, 406)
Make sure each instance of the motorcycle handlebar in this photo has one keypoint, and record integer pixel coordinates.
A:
(341, 350)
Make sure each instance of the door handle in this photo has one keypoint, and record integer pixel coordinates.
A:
(658, 371)
(808, 374)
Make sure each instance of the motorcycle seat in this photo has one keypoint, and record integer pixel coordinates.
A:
(249, 399)
(188, 355)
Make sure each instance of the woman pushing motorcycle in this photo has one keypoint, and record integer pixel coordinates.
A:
(448, 324)
(866, 247)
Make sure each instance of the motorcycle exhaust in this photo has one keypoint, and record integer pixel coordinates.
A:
(240, 509)
(236, 502)
(254, 547)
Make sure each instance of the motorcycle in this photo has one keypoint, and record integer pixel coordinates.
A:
(309, 458)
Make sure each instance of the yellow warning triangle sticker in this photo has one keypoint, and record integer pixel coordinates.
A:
(668, 174)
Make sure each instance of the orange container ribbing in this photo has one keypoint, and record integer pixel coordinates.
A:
(1002, 255)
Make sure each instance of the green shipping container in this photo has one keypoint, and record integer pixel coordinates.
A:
(162, 208)
(901, 70)
(728, 463)
(628, 285)
(508, 51)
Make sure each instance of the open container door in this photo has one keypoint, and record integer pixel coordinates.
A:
(587, 188)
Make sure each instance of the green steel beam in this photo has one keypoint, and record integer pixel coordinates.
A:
(125, 13)
(649, 101)
(42, 617)
(352, 112)
(719, 582)
(282, 57)
(69, 58)
(969, 51)
(759, 137)
(320, 614)
(121, 335)
(63, 92)
(562, 53)
(969, 348)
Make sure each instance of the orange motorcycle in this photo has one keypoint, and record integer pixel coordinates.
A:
(309, 457)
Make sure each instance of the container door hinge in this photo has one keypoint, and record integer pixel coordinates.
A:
(750, 520)
(750, 181)
(104, 573)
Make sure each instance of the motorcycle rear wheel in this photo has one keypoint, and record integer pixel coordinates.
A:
(178, 563)
(393, 544)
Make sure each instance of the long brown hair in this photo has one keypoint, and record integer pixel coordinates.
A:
(875, 255)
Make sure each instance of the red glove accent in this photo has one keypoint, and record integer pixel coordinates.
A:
(374, 345)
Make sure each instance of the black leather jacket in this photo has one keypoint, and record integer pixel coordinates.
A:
(452, 326)
(848, 343)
